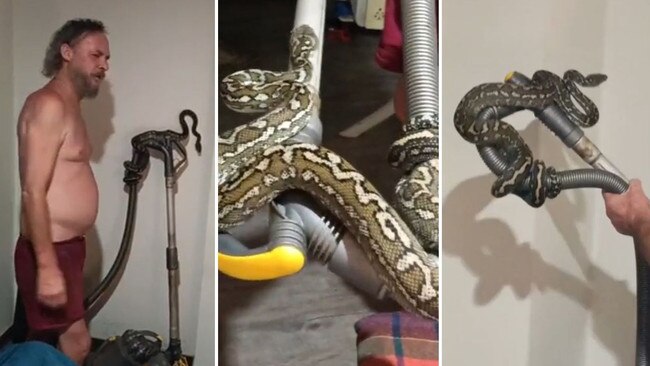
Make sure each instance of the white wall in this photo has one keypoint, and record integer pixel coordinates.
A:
(206, 343)
(7, 166)
(612, 321)
(162, 62)
(554, 285)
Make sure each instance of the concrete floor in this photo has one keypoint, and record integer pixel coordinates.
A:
(307, 318)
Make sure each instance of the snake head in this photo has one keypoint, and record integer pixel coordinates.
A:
(596, 79)
(589, 80)
(304, 35)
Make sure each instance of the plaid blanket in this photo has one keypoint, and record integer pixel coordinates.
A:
(397, 339)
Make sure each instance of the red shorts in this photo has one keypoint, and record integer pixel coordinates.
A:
(41, 319)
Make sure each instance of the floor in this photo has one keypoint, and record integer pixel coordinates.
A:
(307, 318)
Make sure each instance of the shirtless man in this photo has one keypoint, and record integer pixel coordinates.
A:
(59, 195)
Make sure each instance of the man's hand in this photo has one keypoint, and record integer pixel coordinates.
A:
(50, 287)
(629, 212)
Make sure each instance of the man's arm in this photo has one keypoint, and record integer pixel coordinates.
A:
(40, 138)
(630, 215)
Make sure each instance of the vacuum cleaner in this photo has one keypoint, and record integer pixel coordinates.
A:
(603, 175)
(294, 227)
(140, 347)
(137, 347)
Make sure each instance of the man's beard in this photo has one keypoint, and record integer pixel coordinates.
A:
(83, 85)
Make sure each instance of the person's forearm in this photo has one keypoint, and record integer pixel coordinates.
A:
(38, 226)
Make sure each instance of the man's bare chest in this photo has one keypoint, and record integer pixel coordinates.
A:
(76, 145)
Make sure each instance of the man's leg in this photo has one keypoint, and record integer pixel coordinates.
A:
(75, 341)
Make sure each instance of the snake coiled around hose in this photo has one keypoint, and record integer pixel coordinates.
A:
(258, 161)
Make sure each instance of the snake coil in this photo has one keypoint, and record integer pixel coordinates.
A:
(164, 142)
(478, 120)
(259, 160)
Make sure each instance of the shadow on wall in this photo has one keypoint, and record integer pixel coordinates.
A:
(93, 264)
(98, 114)
(498, 261)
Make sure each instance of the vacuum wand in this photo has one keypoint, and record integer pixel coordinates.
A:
(166, 142)
(174, 349)
(570, 134)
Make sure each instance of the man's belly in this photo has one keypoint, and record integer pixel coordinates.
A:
(72, 200)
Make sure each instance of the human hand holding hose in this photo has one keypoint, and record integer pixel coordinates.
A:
(629, 213)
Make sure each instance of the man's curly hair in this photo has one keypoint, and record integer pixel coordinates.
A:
(70, 33)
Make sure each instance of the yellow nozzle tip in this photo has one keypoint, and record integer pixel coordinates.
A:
(510, 75)
(281, 261)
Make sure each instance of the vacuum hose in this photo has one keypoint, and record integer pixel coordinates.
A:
(605, 176)
(163, 141)
(554, 181)
(100, 295)
(642, 308)
(419, 142)
(420, 56)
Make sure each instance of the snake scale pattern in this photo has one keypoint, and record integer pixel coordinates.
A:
(546, 88)
(258, 161)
